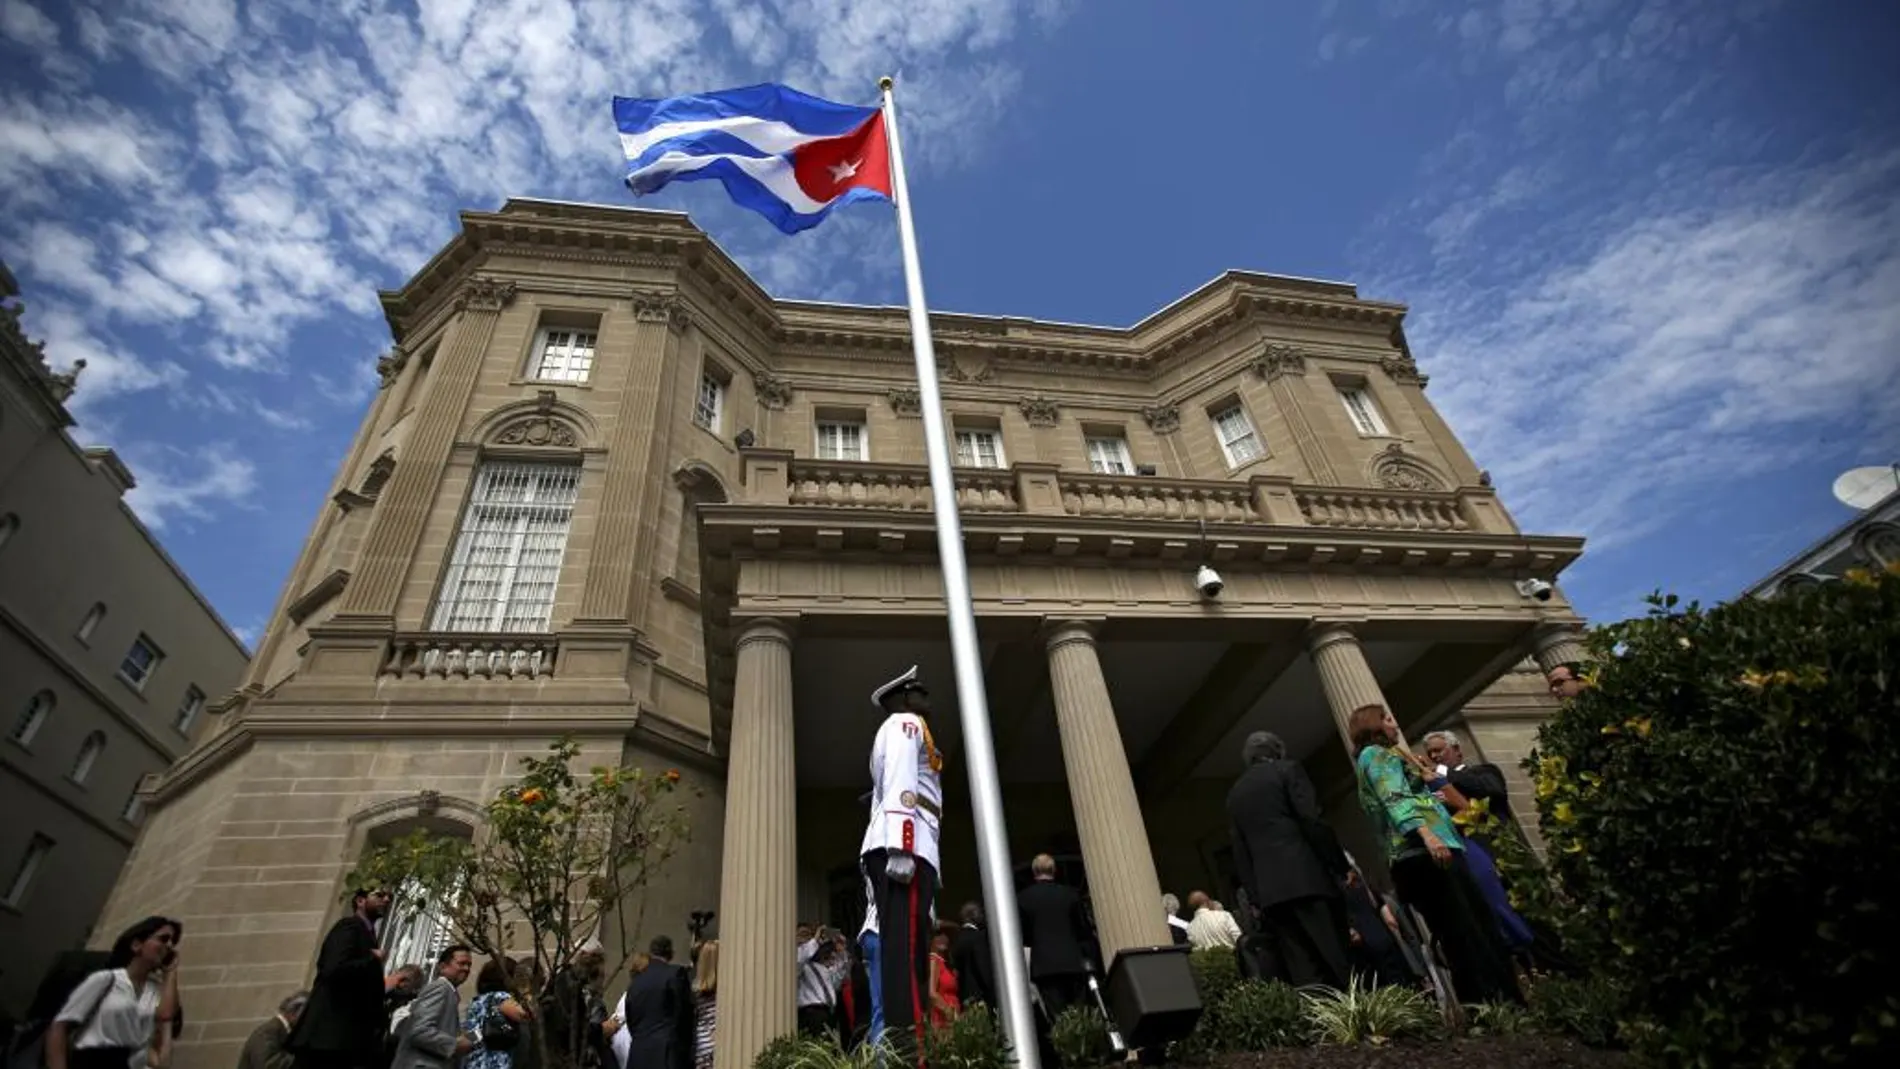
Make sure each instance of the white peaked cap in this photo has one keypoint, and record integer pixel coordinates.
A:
(877, 696)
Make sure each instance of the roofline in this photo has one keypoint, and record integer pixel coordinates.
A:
(1874, 513)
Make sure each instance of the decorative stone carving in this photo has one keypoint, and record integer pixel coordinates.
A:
(668, 308)
(906, 401)
(482, 294)
(62, 383)
(389, 366)
(956, 372)
(1162, 419)
(1040, 411)
(544, 401)
(539, 432)
(1394, 469)
(1484, 478)
(774, 392)
(380, 470)
(1277, 360)
(1404, 371)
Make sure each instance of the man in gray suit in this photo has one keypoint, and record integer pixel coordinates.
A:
(432, 1033)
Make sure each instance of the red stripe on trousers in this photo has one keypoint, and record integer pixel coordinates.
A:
(916, 997)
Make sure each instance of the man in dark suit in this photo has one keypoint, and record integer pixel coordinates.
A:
(1290, 863)
(1055, 931)
(972, 960)
(342, 1025)
(659, 1005)
(1474, 780)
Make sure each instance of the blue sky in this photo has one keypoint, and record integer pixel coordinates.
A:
(1651, 247)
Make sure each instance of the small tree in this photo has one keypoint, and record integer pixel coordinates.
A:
(1720, 802)
(558, 855)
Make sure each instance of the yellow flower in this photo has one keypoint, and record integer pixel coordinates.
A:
(1639, 727)
(1753, 680)
(1860, 577)
(1562, 814)
(1611, 729)
(672, 775)
(531, 796)
(1573, 847)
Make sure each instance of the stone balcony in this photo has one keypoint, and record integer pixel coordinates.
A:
(776, 477)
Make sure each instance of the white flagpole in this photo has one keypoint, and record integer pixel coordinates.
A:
(986, 795)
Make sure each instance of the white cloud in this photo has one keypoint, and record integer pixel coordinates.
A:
(187, 484)
(28, 25)
(1693, 343)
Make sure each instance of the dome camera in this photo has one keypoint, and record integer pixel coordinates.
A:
(1208, 582)
(1534, 588)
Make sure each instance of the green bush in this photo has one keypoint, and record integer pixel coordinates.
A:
(1216, 971)
(1500, 1019)
(1720, 802)
(1370, 1014)
(803, 1052)
(1587, 1008)
(974, 1040)
(1080, 1037)
(1256, 1015)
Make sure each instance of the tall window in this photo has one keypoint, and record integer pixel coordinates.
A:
(134, 810)
(979, 449)
(91, 622)
(140, 662)
(507, 559)
(188, 710)
(1364, 414)
(563, 354)
(36, 850)
(841, 441)
(1108, 455)
(710, 405)
(417, 930)
(38, 708)
(89, 752)
(1237, 437)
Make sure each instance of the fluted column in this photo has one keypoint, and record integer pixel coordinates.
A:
(1127, 895)
(633, 459)
(758, 874)
(405, 504)
(1284, 368)
(1344, 675)
(1558, 644)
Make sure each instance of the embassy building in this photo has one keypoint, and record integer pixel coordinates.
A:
(611, 489)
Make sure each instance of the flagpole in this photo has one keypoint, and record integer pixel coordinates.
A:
(986, 796)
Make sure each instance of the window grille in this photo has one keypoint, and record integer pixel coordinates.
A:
(506, 563)
(416, 929)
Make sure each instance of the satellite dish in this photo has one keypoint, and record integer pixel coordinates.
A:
(1863, 488)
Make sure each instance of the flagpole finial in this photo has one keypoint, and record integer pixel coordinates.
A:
(884, 84)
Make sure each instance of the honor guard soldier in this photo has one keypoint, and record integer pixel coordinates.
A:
(899, 857)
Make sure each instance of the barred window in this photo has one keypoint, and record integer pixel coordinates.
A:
(563, 354)
(417, 928)
(507, 558)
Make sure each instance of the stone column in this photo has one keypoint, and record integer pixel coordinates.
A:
(758, 872)
(405, 504)
(629, 513)
(1108, 820)
(1284, 368)
(1343, 673)
(1558, 643)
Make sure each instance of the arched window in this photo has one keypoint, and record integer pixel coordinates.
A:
(9, 524)
(38, 708)
(91, 622)
(89, 752)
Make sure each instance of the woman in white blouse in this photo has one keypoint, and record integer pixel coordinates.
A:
(111, 1019)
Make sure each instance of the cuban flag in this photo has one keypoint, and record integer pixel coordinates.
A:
(786, 155)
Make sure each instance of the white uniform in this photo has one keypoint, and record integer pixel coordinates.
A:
(906, 790)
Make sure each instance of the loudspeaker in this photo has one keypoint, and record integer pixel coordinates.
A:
(1152, 996)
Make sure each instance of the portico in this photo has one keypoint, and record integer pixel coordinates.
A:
(1119, 694)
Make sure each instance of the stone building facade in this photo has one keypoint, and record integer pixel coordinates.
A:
(109, 658)
(611, 489)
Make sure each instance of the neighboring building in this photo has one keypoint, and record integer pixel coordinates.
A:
(612, 489)
(1869, 540)
(108, 660)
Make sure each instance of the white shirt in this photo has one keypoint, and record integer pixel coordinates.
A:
(622, 1041)
(906, 793)
(818, 982)
(1212, 928)
(124, 1018)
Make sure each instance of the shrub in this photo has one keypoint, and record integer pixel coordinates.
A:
(1256, 1015)
(1585, 1008)
(804, 1052)
(1370, 1014)
(1720, 800)
(1080, 1037)
(974, 1040)
(1500, 1019)
(1216, 971)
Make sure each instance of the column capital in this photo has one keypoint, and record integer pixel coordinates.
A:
(1553, 633)
(774, 629)
(1059, 631)
(1330, 632)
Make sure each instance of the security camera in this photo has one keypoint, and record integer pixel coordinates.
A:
(1534, 588)
(1208, 582)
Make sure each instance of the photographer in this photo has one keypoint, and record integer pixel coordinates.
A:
(821, 971)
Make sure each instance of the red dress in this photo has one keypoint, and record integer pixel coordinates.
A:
(944, 1010)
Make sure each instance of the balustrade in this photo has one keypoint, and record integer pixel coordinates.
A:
(847, 484)
(1148, 498)
(465, 656)
(1381, 509)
